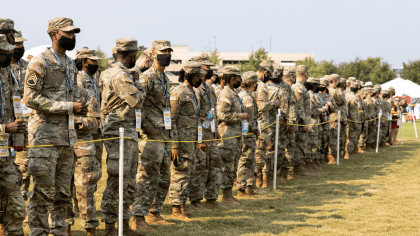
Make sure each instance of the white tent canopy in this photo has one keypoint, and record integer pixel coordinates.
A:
(403, 86)
(37, 50)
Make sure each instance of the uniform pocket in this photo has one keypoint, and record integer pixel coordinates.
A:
(39, 162)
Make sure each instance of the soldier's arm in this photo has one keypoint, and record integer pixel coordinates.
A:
(249, 109)
(125, 89)
(264, 104)
(299, 98)
(91, 120)
(292, 107)
(224, 110)
(34, 83)
(176, 103)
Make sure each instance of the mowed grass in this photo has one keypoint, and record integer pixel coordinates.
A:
(375, 194)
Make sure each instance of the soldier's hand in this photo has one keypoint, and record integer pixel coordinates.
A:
(329, 103)
(80, 108)
(260, 144)
(218, 135)
(175, 155)
(356, 126)
(291, 129)
(202, 146)
(306, 128)
(245, 116)
(203, 116)
(16, 127)
(278, 103)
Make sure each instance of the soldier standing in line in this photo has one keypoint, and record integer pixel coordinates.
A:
(122, 99)
(344, 113)
(365, 125)
(378, 108)
(372, 124)
(13, 204)
(391, 103)
(386, 112)
(353, 127)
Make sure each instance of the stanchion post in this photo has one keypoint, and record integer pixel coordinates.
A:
(379, 128)
(414, 122)
(402, 140)
(121, 184)
(276, 143)
(338, 137)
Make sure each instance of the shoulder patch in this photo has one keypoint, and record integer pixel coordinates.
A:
(266, 90)
(37, 69)
(248, 105)
(32, 80)
(173, 98)
(226, 100)
(129, 79)
(300, 91)
(142, 80)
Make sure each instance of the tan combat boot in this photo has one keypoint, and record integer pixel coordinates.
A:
(265, 182)
(314, 166)
(185, 212)
(318, 163)
(347, 156)
(242, 193)
(285, 174)
(156, 218)
(213, 204)
(91, 232)
(140, 224)
(361, 151)
(197, 206)
(177, 214)
(228, 199)
(331, 160)
(127, 231)
(110, 229)
(259, 181)
(258, 190)
(250, 191)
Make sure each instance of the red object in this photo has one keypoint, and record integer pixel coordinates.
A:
(395, 126)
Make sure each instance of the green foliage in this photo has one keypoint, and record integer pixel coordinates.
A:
(254, 59)
(320, 68)
(411, 71)
(214, 57)
(103, 62)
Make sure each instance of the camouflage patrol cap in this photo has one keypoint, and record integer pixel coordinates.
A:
(312, 80)
(231, 70)
(18, 37)
(126, 44)
(203, 59)
(386, 92)
(267, 66)
(334, 77)
(290, 72)
(301, 68)
(377, 86)
(354, 85)
(148, 52)
(63, 24)
(7, 24)
(193, 67)
(278, 70)
(114, 50)
(85, 52)
(161, 45)
(391, 89)
(4, 45)
(342, 80)
(324, 82)
(249, 77)
(351, 80)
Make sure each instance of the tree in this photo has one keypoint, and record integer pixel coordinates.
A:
(372, 69)
(213, 57)
(103, 62)
(254, 60)
(411, 71)
(318, 69)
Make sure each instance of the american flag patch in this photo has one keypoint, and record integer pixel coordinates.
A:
(37, 69)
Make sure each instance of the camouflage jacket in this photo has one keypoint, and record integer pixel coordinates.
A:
(157, 88)
(120, 98)
(316, 111)
(49, 96)
(353, 108)
(229, 113)
(301, 95)
(184, 115)
(291, 100)
(6, 89)
(264, 104)
(276, 93)
(208, 100)
(360, 107)
(217, 89)
(340, 100)
(331, 112)
(19, 72)
(370, 105)
(251, 108)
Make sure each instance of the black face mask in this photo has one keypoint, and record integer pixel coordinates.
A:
(18, 53)
(308, 86)
(5, 59)
(238, 84)
(67, 43)
(198, 84)
(92, 68)
(190, 79)
(266, 78)
(217, 80)
(164, 59)
(275, 80)
(354, 90)
(209, 74)
(256, 87)
(321, 89)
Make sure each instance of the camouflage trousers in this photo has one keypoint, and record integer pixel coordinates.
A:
(230, 151)
(207, 175)
(282, 160)
(383, 133)
(99, 147)
(301, 146)
(154, 174)
(12, 203)
(343, 136)
(363, 134)
(291, 148)
(52, 170)
(22, 160)
(87, 173)
(182, 176)
(333, 138)
(325, 139)
(352, 137)
(312, 152)
(260, 154)
(246, 164)
(110, 197)
(372, 132)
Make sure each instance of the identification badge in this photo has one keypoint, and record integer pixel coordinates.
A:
(200, 133)
(71, 121)
(26, 110)
(213, 126)
(399, 122)
(167, 119)
(17, 107)
(4, 152)
(244, 127)
(138, 120)
(259, 126)
(279, 112)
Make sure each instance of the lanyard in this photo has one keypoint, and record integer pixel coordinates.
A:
(240, 102)
(253, 99)
(208, 95)
(94, 85)
(323, 103)
(165, 93)
(195, 101)
(67, 75)
(1, 101)
(14, 77)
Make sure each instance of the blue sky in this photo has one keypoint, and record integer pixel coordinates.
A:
(332, 30)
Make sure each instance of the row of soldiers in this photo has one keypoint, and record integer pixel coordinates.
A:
(216, 129)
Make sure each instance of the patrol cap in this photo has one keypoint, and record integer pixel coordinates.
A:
(377, 86)
(161, 45)
(354, 85)
(111, 61)
(126, 44)
(249, 77)
(18, 37)
(4, 45)
(312, 80)
(203, 59)
(148, 52)
(231, 70)
(267, 66)
(63, 24)
(334, 77)
(342, 80)
(384, 91)
(114, 50)
(391, 89)
(193, 67)
(351, 80)
(7, 24)
(301, 68)
(290, 72)
(278, 70)
(324, 82)
(85, 52)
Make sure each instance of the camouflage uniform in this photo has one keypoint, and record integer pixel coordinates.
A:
(365, 116)
(18, 81)
(87, 169)
(185, 114)
(12, 203)
(247, 160)
(121, 95)
(154, 174)
(373, 124)
(352, 132)
(344, 113)
(386, 112)
(290, 145)
(378, 107)
(301, 136)
(337, 95)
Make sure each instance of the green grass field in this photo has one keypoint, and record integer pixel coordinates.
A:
(375, 194)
